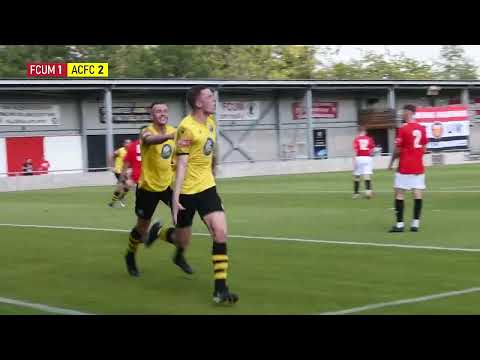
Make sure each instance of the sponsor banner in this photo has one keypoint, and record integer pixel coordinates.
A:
(29, 115)
(445, 129)
(239, 110)
(320, 110)
(128, 113)
(320, 150)
(476, 108)
(447, 144)
(447, 126)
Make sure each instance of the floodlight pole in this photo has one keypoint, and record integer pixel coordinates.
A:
(217, 122)
(108, 121)
(466, 101)
(465, 97)
(309, 122)
(83, 125)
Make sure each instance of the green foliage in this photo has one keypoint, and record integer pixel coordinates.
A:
(454, 65)
(248, 62)
(373, 66)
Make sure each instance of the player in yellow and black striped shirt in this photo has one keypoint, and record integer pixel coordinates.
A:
(157, 149)
(195, 188)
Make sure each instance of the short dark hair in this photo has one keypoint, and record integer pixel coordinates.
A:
(193, 93)
(410, 107)
(157, 103)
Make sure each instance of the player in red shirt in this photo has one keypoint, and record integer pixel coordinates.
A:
(363, 146)
(132, 165)
(133, 160)
(411, 144)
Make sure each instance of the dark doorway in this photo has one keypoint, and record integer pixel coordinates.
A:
(96, 148)
(380, 136)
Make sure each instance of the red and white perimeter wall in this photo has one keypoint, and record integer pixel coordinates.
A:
(62, 152)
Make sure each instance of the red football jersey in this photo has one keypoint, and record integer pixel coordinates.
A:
(363, 145)
(134, 157)
(411, 141)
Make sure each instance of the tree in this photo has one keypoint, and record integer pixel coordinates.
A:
(294, 62)
(242, 62)
(454, 65)
(14, 58)
(373, 66)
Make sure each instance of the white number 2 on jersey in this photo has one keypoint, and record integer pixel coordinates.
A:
(417, 134)
(363, 144)
(139, 157)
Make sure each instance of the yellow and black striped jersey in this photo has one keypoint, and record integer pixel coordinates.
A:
(157, 173)
(198, 141)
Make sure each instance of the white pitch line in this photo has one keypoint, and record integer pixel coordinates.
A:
(403, 246)
(50, 309)
(293, 192)
(460, 187)
(63, 227)
(401, 302)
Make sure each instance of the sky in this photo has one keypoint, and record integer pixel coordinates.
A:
(421, 52)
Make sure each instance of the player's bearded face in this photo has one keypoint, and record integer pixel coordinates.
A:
(160, 114)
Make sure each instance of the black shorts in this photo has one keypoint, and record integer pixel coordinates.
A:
(146, 201)
(204, 202)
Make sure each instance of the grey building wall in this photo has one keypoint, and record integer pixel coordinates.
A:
(69, 116)
(340, 131)
(257, 138)
(474, 140)
(267, 139)
(91, 110)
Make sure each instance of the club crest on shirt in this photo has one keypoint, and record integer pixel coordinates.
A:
(166, 151)
(210, 127)
(208, 148)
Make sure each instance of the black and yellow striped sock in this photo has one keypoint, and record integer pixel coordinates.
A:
(133, 241)
(115, 196)
(220, 265)
(125, 191)
(166, 234)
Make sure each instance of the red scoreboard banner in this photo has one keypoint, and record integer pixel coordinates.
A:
(46, 70)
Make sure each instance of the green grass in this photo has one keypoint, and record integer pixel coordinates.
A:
(84, 270)
(17, 310)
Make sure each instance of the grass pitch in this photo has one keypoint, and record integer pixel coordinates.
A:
(273, 271)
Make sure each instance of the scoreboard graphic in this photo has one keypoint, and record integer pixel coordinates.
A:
(67, 70)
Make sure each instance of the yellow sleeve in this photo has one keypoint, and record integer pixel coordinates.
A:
(184, 140)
